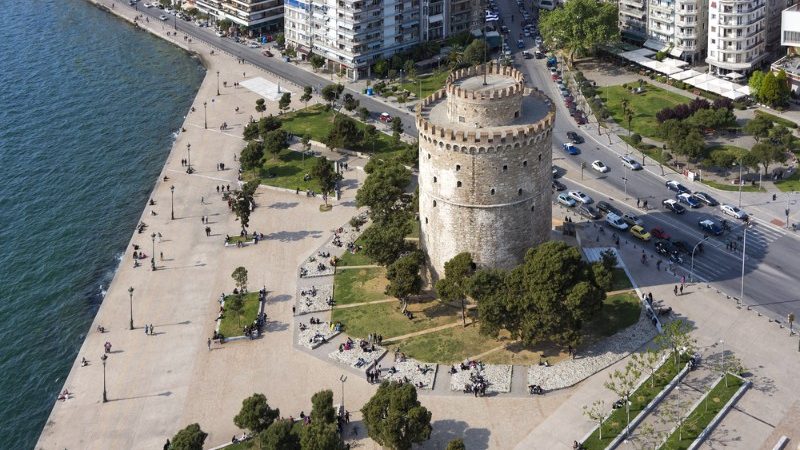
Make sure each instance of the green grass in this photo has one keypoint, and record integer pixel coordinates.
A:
(653, 152)
(620, 280)
(702, 415)
(789, 184)
(430, 83)
(355, 259)
(448, 346)
(286, 170)
(732, 187)
(386, 319)
(776, 119)
(359, 285)
(230, 326)
(238, 238)
(616, 421)
(644, 106)
(619, 312)
(414, 229)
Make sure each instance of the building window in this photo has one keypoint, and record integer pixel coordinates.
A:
(519, 191)
(458, 167)
(434, 179)
(426, 220)
(505, 168)
(434, 203)
(492, 191)
(516, 114)
(524, 163)
(540, 157)
(458, 184)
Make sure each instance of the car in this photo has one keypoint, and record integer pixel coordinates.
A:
(730, 210)
(607, 208)
(667, 249)
(630, 163)
(539, 54)
(527, 55)
(385, 117)
(632, 219)
(566, 200)
(589, 212)
(639, 232)
(253, 45)
(575, 137)
(148, 5)
(673, 206)
(581, 197)
(599, 166)
(659, 233)
(689, 200)
(705, 198)
(558, 186)
(709, 226)
(581, 120)
(571, 149)
(682, 247)
(673, 185)
(267, 53)
(520, 44)
(555, 171)
(616, 221)
(162, 17)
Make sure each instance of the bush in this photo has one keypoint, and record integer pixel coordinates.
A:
(776, 119)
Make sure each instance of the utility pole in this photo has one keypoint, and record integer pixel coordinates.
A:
(744, 247)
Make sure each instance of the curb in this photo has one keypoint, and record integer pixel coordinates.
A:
(720, 415)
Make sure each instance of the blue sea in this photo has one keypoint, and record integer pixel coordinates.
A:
(89, 107)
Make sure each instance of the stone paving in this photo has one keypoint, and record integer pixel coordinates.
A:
(319, 264)
(497, 375)
(314, 299)
(357, 358)
(422, 375)
(593, 359)
(316, 334)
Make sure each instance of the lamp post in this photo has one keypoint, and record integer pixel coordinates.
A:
(189, 158)
(104, 358)
(205, 115)
(342, 378)
(625, 178)
(740, 182)
(153, 256)
(691, 271)
(218, 82)
(744, 247)
(172, 202)
(130, 301)
(787, 209)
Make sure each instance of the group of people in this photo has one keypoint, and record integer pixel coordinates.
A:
(535, 389)
(374, 375)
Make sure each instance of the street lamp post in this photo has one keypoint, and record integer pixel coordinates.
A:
(787, 209)
(218, 82)
(744, 247)
(691, 271)
(172, 202)
(740, 182)
(189, 158)
(104, 358)
(722, 341)
(205, 115)
(625, 179)
(130, 301)
(342, 378)
(153, 256)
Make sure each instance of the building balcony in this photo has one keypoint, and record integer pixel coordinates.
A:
(631, 12)
(658, 6)
(662, 19)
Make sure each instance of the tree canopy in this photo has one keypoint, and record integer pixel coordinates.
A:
(283, 103)
(395, 418)
(255, 415)
(189, 438)
(345, 133)
(580, 26)
(404, 278)
(383, 188)
(385, 242)
(767, 153)
(455, 284)
(280, 435)
(326, 175)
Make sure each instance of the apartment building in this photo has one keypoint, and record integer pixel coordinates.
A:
(743, 34)
(790, 39)
(678, 27)
(633, 20)
(352, 34)
(256, 15)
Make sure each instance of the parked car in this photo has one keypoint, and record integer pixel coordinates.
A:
(607, 208)
(639, 232)
(566, 200)
(667, 249)
(385, 117)
(630, 162)
(681, 247)
(616, 221)
(520, 44)
(575, 137)
(267, 53)
(162, 17)
(673, 206)
(527, 55)
(689, 200)
(734, 212)
(589, 212)
(581, 197)
(673, 185)
(599, 166)
(709, 226)
(659, 233)
(558, 186)
(571, 149)
(632, 219)
(705, 198)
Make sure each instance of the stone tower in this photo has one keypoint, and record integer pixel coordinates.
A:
(485, 160)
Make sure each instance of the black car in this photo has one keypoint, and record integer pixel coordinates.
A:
(673, 206)
(681, 247)
(666, 248)
(575, 137)
(558, 186)
(589, 212)
(607, 208)
(673, 185)
(705, 198)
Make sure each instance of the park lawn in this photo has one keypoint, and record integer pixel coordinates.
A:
(448, 346)
(776, 119)
(355, 259)
(414, 229)
(230, 326)
(644, 106)
(619, 312)
(616, 421)
(359, 285)
(620, 280)
(386, 318)
(286, 170)
(789, 184)
(702, 415)
(731, 187)
(430, 83)
(651, 151)
(238, 238)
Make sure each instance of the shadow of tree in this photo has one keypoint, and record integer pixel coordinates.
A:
(279, 298)
(445, 431)
(285, 236)
(283, 205)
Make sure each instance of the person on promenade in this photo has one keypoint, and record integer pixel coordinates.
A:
(151, 330)
(209, 344)
(145, 329)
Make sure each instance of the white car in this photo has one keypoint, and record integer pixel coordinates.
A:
(616, 221)
(733, 211)
(253, 45)
(630, 163)
(566, 200)
(220, 34)
(148, 5)
(162, 17)
(581, 197)
(599, 166)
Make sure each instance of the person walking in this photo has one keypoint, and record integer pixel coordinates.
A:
(675, 290)
(146, 327)
(209, 344)
(151, 330)
(681, 289)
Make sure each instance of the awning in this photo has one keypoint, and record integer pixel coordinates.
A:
(735, 75)
(676, 52)
(686, 74)
(655, 44)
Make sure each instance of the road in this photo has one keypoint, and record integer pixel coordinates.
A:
(772, 256)
(276, 65)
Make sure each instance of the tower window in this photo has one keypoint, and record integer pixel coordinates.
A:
(434, 203)
(426, 220)
(532, 208)
(434, 179)
(519, 191)
(458, 184)
(458, 167)
(461, 119)
(505, 168)
(540, 157)
(492, 191)
(524, 163)
(516, 114)
(429, 156)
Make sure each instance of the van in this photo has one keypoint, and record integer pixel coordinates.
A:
(616, 221)
(547, 4)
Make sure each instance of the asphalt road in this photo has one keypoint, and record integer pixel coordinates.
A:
(276, 65)
(772, 257)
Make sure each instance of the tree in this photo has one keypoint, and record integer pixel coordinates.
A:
(280, 39)
(596, 413)
(383, 188)
(255, 415)
(456, 444)
(329, 94)
(380, 68)
(404, 278)
(622, 383)
(363, 113)
(648, 361)
(759, 127)
(394, 417)
(676, 413)
(344, 133)
(306, 142)
(784, 88)
(242, 207)
(283, 103)
(267, 124)
(350, 103)
(224, 24)
(397, 128)
(275, 141)
(755, 82)
(384, 243)
(453, 287)
(327, 177)
(675, 337)
(474, 53)
(306, 97)
(410, 68)
(250, 131)
(579, 26)
(766, 154)
(316, 62)
(261, 106)
(770, 91)
(280, 435)
(189, 438)
(321, 436)
(251, 155)
(322, 407)
(636, 139)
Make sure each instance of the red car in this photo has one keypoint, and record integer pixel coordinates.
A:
(659, 233)
(267, 53)
(385, 118)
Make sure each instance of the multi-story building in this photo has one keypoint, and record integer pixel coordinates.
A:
(352, 34)
(633, 20)
(790, 38)
(256, 15)
(678, 27)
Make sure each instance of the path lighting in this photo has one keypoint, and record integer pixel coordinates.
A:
(205, 115)
(172, 202)
(130, 301)
(104, 358)
(153, 256)
(218, 82)
(189, 169)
